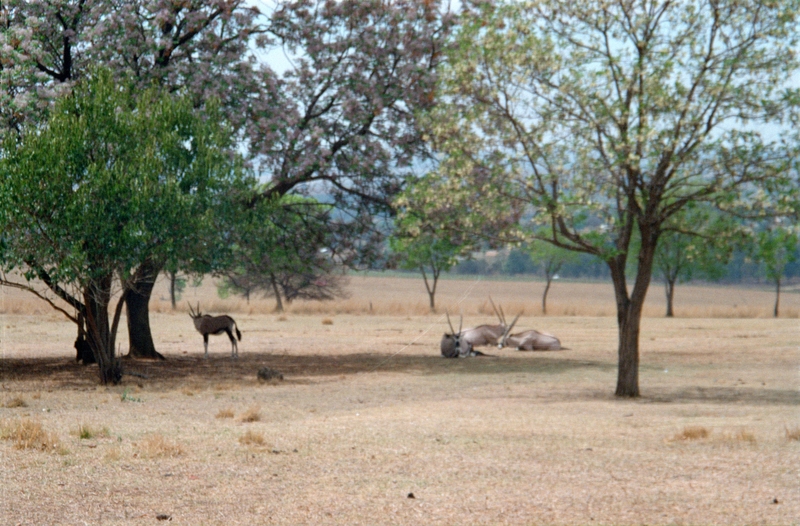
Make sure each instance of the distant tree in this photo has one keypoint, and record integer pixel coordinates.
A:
(176, 286)
(114, 176)
(281, 248)
(775, 247)
(550, 259)
(518, 261)
(431, 253)
(698, 243)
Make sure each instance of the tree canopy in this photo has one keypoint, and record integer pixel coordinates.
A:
(114, 177)
(600, 121)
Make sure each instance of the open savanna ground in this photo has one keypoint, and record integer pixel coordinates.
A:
(369, 415)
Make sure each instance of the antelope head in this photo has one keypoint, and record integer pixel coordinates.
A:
(451, 343)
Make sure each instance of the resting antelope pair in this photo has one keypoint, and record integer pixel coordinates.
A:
(461, 344)
(206, 325)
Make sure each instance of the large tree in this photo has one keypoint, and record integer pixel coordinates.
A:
(603, 120)
(114, 177)
(337, 119)
(200, 47)
(340, 121)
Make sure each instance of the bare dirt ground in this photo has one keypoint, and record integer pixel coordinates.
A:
(370, 415)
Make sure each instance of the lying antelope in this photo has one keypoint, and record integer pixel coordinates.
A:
(206, 325)
(454, 345)
(488, 334)
(532, 341)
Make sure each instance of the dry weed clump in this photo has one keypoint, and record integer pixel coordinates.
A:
(327, 321)
(225, 412)
(793, 433)
(29, 434)
(16, 401)
(253, 414)
(742, 435)
(86, 432)
(691, 433)
(155, 446)
(252, 438)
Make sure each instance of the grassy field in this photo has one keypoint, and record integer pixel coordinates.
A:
(369, 415)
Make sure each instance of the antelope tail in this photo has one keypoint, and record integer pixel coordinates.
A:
(238, 334)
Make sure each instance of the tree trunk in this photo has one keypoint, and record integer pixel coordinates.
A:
(629, 313)
(100, 336)
(137, 303)
(278, 302)
(669, 285)
(544, 296)
(431, 289)
(172, 278)
(777, 295)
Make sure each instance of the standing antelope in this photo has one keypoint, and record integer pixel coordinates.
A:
(206, 325)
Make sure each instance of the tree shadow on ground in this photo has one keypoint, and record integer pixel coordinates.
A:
(63, 373)
(722, 395)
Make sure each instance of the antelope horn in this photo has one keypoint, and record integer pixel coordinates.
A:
(191, 311)
(448, 322)
(508, 331)
(503, 321)
(198, 308)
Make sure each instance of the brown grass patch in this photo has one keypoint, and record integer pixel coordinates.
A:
(740, 436)
(374, 413)
(155, 446)
(793, 433)
(113, 454)
(86, 432)
(692, 433)
(29, 434)
(16, 401)
(253, 414)
(327, 321)
(226, 412)
(252, 438)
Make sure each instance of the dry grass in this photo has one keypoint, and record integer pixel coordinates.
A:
(158, 446)
(692, 433)
(327, 321)
(744, 435)
(793, 433)
(252, 438)
(406, 296)
(253, 414)
(29, 434)
(226, 412)
(15, 401)
(369, 412)
(86, 432)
